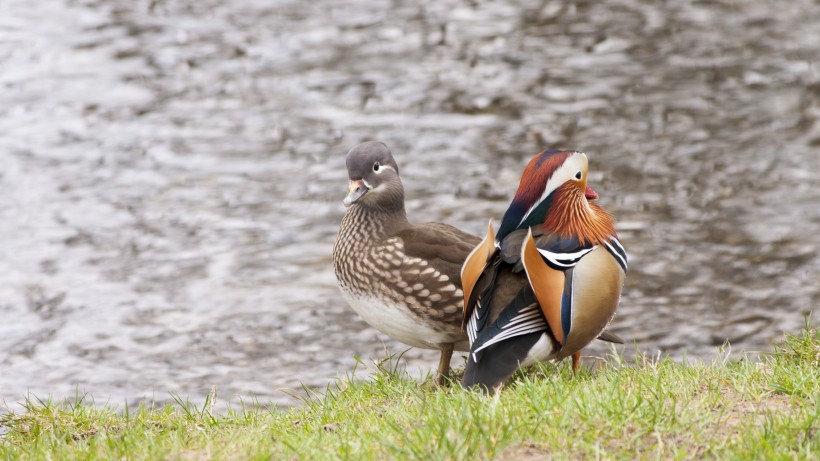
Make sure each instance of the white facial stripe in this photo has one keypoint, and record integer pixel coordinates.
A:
(566, 172)
(369, 187)
(384, 167)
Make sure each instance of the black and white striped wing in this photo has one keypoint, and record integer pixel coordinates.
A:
(618, 252)
(479, 308)
(560, 253)
(520, 317)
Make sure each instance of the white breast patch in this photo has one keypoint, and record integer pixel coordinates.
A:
(393, 320)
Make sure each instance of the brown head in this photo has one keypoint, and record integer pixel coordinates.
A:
(374, 178)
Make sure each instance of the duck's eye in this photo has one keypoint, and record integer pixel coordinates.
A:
(376, 167)
(578, 175)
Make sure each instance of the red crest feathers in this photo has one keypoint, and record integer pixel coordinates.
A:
(538, 171)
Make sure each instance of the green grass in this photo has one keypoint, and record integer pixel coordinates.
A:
(647, 409)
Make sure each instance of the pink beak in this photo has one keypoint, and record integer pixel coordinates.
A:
(590, 194)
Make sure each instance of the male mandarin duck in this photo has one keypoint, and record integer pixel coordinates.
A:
(549, 282)
(403, 279)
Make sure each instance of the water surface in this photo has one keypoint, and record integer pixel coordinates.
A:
(171, 172)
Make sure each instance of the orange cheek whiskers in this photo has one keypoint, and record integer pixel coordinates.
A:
(572, 215)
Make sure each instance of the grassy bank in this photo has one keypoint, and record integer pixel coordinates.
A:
(726, 409)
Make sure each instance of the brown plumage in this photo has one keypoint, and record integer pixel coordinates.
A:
(401, 278)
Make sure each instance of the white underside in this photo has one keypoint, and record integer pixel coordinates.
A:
(541, 351)
(393, 320)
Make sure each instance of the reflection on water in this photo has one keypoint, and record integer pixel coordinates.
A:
(172, 172)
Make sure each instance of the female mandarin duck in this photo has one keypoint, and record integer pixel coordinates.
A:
(549, 282)
(403, 279)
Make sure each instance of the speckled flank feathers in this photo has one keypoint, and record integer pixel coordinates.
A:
(401, 278)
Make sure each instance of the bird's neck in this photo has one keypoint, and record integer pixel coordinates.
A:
(375, 222)
(571, 214)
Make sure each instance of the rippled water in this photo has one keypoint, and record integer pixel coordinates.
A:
(171, 172)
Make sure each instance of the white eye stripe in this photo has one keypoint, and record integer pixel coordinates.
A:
(560, 176)
(382, 168)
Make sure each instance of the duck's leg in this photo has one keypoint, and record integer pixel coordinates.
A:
(443, 374)
(576, 361)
